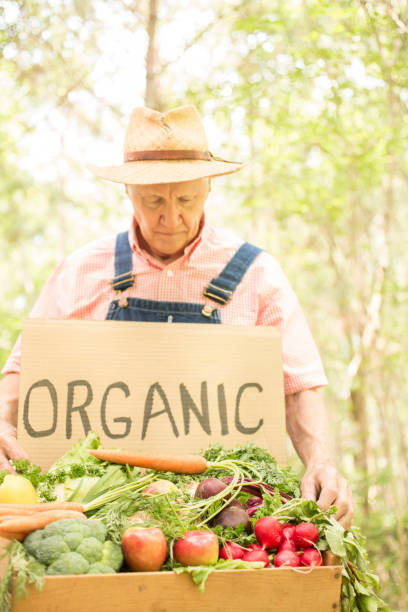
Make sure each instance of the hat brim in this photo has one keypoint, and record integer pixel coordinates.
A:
(164, 171)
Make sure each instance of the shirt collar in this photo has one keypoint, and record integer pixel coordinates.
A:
(188, 251)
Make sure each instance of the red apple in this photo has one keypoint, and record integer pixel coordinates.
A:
(160, 487)
(198, 547)
(144, 548)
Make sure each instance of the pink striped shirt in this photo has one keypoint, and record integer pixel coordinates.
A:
(80, 288)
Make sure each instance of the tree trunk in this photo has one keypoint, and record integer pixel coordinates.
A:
(359, 408)
(152, 95)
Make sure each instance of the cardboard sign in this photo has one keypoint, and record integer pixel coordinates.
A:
(155, 387)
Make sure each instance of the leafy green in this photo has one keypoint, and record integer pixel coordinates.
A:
(78, 453)
(25, 569)
(52, 486)
(27, 469)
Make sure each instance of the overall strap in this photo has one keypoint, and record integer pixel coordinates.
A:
(124, 275)
(220, 289)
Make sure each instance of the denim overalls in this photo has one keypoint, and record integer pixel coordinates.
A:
(219, 290)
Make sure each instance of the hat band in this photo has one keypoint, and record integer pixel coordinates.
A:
(167, 155)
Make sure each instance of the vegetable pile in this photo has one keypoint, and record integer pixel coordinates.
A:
(224, 509)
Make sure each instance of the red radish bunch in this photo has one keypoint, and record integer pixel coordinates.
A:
(288, 540)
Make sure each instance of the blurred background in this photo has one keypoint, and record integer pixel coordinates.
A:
(314, 94)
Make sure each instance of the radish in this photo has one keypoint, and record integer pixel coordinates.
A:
(257, 555)
(287, 544)
(231, 550)
(268, 531)
(305, 534)
(288, 531)
(312, 557)
(286, 558)
(255, 547)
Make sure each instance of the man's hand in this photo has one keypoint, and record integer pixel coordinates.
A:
(9, 447)
(323, 483)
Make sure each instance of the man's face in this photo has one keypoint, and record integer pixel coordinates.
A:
(169, 215)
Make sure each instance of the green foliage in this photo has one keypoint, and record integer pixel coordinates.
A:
(24, 569)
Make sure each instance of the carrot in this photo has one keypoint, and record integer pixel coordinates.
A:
(41, 507)
(27, 524)
(13, 535)
(181, 464)
(10, 517)
(16, 511)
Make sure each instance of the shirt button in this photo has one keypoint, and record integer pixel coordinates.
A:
(170, 273)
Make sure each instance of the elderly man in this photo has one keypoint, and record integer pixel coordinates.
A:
(172, 266)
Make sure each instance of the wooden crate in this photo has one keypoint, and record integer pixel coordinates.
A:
(280, 590)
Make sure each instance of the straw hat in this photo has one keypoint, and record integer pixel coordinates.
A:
(165, 148)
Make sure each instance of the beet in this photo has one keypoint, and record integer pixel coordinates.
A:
(237, 504)
(232, 516)
(209, 487)
(254, 501)
(251, 511)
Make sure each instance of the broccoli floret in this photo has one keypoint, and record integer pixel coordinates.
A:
(97, 529)
(112, 555)
(69, 563)
(64, 526)
(50, 549)
(90, 549)
(71, 546)
(32, 541)
(100, 568)
(73, 539)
